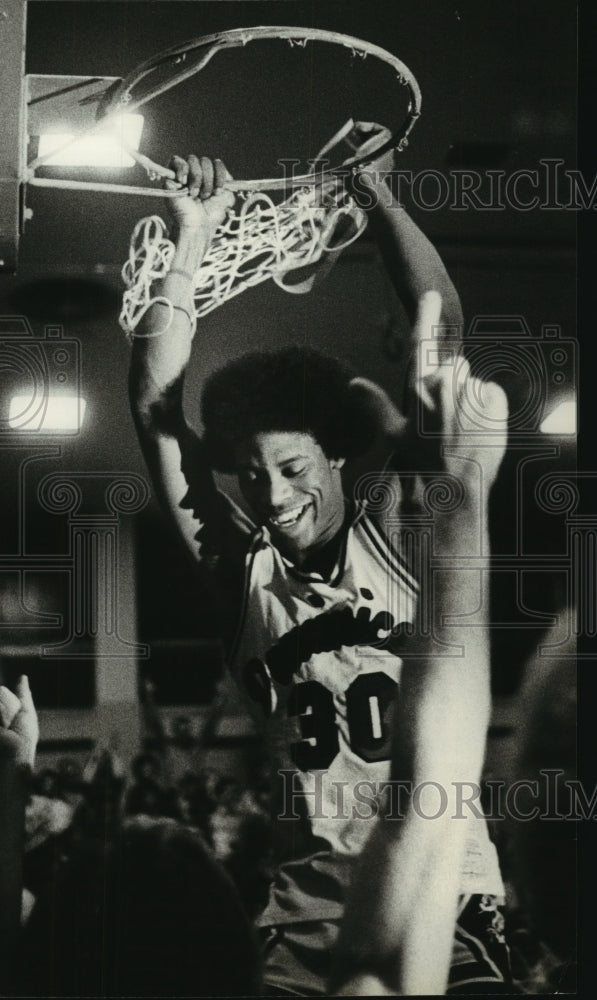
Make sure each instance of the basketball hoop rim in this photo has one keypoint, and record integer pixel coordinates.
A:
(120, 99)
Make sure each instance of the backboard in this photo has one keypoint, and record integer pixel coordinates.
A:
(29, 106)
(12, 127)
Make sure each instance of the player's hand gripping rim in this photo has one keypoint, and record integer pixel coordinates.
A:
(204, 200)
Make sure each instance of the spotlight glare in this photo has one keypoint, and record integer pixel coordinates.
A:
(562, 420)
(54, 413)
(101, 149)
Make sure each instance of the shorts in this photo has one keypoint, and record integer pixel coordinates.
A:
(297, 957)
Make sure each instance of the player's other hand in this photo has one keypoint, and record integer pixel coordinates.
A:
(456, 423)
(205, 201)
(364, 139)
(19, 728)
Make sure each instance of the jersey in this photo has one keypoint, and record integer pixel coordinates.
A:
(319, 661)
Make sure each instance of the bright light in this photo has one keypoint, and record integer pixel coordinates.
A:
(54, 413)
(101, 149)
(562, 420)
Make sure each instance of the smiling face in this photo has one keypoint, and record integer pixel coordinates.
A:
(293, 488)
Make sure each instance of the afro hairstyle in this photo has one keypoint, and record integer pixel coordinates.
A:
(294, 390)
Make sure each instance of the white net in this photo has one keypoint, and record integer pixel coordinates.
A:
(260, 241)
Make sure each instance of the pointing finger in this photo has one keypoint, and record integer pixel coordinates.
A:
(426, 358)
(24, 693)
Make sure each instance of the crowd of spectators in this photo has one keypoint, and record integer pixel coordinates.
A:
(128, 884)
(229, 818)
(132, 883)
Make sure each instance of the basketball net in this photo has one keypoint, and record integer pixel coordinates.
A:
(256, 242)
(259, 239)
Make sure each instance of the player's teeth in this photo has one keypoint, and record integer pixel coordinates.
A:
(290, 517)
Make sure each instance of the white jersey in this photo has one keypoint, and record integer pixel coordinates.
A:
(319, 661)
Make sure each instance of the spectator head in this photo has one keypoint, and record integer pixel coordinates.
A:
(149, 914)
(145, 767)
(48, 783)
(182, 731)
(227, 791)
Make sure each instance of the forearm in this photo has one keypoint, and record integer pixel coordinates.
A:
(444, 689)
(444, 711)
(398, 928)
(412, 262)
(163, 341)
(399, 923)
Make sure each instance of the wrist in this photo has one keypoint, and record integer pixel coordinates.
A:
(376, 180)
(195, 233)
(191, 245)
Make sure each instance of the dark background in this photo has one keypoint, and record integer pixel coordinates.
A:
(499, 92)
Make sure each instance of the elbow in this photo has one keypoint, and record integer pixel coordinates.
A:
(141, 405)
(141, 394)
(154, 407)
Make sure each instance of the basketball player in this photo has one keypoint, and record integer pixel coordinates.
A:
(318, 592)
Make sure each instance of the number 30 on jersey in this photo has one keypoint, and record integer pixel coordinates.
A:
(369, 709)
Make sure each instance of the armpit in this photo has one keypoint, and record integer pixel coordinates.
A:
(223, 529)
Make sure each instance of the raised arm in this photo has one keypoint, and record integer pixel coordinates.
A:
(398, 930)
(161, 352)
(412, 262)
(414, 268)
